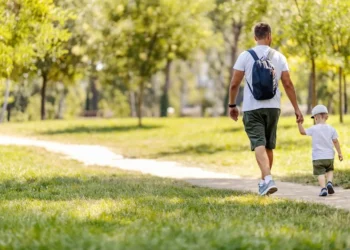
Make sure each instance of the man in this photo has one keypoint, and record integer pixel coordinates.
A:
(260, 117)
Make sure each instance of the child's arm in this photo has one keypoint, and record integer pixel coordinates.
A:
(301, 129)
(337, 147)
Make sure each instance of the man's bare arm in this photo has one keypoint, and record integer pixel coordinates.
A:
(236, 80)
(290, 91)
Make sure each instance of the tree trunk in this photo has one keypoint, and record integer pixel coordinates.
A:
(6, 97)
(340, 95)
(95, 94)
(313, 77)
(132, 104)
(309, 97)
(345, 95)
(236, 28)
(9, 108)
(43, 96)
(164, 100)
(87, 100)
(139, 104)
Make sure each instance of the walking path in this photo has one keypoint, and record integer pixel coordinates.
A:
(98, 155)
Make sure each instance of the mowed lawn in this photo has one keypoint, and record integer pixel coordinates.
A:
(48, 202)
(213, 143)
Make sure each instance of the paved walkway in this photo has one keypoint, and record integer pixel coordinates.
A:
(98, 155)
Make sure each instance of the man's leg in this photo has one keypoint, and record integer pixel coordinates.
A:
(262, 158)
(255, 126)
(270, 155)
(268, 186)
(272, 118)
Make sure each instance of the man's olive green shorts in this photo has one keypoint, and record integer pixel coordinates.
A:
(323, 166)
(261, 127)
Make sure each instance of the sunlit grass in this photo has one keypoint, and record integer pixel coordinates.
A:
(48, 202)
(213, 143)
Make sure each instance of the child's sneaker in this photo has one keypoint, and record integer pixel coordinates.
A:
(330, 187)
(323, 192)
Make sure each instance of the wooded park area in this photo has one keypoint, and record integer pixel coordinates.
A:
(68, 58)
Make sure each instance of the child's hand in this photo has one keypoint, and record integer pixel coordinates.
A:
(340, 157)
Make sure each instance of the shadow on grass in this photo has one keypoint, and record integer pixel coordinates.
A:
(100, 129)
(341, 178)
(200, 149)
(153, 213)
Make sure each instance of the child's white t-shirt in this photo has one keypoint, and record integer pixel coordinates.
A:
(322, 141)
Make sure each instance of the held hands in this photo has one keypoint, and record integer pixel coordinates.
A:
(234, 113)
(340, 157)
(299, 117)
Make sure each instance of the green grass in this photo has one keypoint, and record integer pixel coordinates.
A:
(48, 202)
(212, 143)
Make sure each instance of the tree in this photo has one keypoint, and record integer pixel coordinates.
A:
(188, 29)
(52, 37)
(26, 28)
(14, 47)
(304, 31)
(339, 38)
(232, 19)
(146, 38)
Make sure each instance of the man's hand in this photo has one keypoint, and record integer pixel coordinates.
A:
(237, 77)
(340, 157)
(299, 116)
(234, 113)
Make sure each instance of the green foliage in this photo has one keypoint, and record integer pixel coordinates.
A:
(27, 27)
(33, 107)
(146, 34)
(130, 42)
(114, 103)
(244, 13)
(306, 27)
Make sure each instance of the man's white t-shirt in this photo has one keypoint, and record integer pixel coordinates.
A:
(245, 63)
(322, 141)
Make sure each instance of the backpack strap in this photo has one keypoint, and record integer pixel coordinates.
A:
(253, 54)
(250, 88)
(256, 58)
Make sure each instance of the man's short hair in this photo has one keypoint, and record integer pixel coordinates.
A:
(262, 30)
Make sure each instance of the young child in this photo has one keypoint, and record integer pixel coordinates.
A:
(324, 137)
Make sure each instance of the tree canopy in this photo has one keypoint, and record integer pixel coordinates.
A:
(148, 56)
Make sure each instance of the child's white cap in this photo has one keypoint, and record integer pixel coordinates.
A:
(319, 109)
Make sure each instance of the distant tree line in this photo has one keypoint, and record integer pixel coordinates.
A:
(67, 58)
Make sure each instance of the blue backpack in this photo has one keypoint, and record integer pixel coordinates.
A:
(263, 77)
